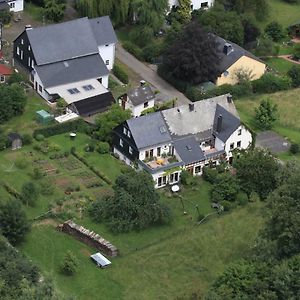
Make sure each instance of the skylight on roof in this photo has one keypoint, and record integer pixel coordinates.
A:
(88, 87)
(73, 91)
(162, 129)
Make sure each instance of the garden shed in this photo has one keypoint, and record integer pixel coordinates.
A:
(15, 140)
(43, 117)
(100, 260)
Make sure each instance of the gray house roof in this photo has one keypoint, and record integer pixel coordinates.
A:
(229, 123)
(184, 121)
(149, 130)
(228, 60)
(189, 150)
(72, 39)
(140, 95)
(103, 31)
(72, 70)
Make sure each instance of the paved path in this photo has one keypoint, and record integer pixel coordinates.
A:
(150, 76)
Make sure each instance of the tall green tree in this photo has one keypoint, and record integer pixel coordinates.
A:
(135, 204)
(29, 193)
(13, 222)
(54, 10)
(184, 11)
(193, 57)
(256, 171)
(266, 114)
(107, 121)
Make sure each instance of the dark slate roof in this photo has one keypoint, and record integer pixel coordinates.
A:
(189, 150)
(229, 123)
(93, 105)
(72, 70)
(228, 60)
(149, 130)
(141, 95)
(12, 136)
(4, 5)
(67, 40)
(103, 31)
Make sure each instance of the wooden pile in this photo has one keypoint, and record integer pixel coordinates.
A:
(88, 237)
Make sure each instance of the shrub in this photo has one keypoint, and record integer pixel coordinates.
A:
(270, 83)
(103, 147)
(16, 78)
(46, 188)
(141, 35)
(186, 177)
(37, 174)
(294, 74)
(27, 139)
(226, 204)
(210, 174)
(295, 148)
(152, 52)
(120, 73)
(242, 198)
(39, 137)
(133, 49)
(275, 31)
(254, 197)
(70, 264)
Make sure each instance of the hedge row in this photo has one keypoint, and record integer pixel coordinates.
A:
(11, 190)
(268, 83)
(120, 73)
(92, 168)
(76, 125)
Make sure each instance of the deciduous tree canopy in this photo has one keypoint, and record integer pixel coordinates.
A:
(193, 56)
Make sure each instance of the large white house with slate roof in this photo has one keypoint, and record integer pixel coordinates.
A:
(70, 60)
(186, 137)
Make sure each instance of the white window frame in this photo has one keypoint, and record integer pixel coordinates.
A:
(18, 50)
(121, 143)
(125, 130)
(130, 150)
(2, 78)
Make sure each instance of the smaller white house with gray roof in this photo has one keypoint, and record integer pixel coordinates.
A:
(186, 137)
(137, 100)
(70, 60)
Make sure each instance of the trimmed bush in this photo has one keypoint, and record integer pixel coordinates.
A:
(226, 204)
(242, 198)
(133, 49)
(76, 125)
(210, 174)
(39, 137)
(103, 147)
(295, 148)
(270, 83)
(152, 52)
(120, 73)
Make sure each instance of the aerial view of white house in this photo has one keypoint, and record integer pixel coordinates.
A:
(12, 5)
(70, 60)
(195, 4)
(185, 137)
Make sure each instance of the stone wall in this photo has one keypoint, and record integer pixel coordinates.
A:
(88, 237)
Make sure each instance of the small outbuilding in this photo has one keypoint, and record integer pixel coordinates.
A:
(100, 260)
(5, 73)
(15, 140)
(43, 117)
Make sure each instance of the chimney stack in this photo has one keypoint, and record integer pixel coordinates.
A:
(227, 48)
(142, 82)
(28, 26)
(219, 123)
(229, 98)
(191, 106)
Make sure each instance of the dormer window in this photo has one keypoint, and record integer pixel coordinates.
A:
(88, 87)
(73, 91)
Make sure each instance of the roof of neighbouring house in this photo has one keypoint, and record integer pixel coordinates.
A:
(140, 95)
(72, 70)
(4, 5)
(5, 70)
(188, 149)
(149, 130)
(12, 136)
(228, 60)
(72, 39)
(183, 121)
(95, 104)
(229, 123)
(100, 259)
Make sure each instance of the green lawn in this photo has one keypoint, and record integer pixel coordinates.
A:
(26, 123)
(152, 265)
(282, 12)
(279, 64)
(288, 103)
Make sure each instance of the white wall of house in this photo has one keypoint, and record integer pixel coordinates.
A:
(196, 4)
(165, 148)
(107, 52)
(39, 87)
(219, 145)
(138, 109)
(122, 157)
(163, 178)
(240, 139)
(16, 5)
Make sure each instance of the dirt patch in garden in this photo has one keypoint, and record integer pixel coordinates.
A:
(85, 252)
(62, 182)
